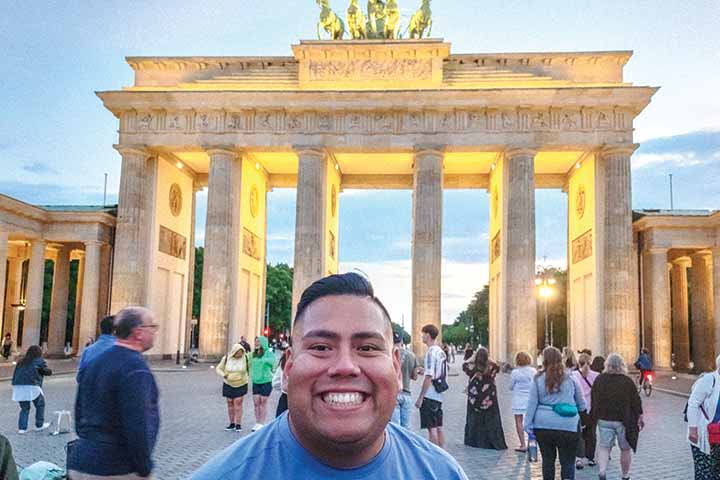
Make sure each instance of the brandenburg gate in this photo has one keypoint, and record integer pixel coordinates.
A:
(376, 114)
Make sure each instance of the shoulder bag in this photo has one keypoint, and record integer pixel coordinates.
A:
(440, 383)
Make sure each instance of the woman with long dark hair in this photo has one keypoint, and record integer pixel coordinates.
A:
(483, 425)
(27, 387)
(554, 405)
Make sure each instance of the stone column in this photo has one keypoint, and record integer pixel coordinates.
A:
(716, 296)
(519, 222)
(191, 270)
(618, 307)
(91, 289)
(104, 284)
(59, 305)
(33, 309)
(222, 252)
(77, 342)
(12, 288)
(680, 330)
(427, 242)
(310, 220)
(133, 232)
(3, 273)
(703, 342)
(656, 304)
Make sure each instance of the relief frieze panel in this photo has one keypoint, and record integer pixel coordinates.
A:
(370, 69)
(172, 243)
(381, 121)
(251, 244)
(582, 247)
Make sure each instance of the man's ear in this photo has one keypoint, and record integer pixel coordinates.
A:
(289, 361)
(397, 366)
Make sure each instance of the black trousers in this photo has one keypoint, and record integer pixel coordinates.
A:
(554, 443)
(589, 438)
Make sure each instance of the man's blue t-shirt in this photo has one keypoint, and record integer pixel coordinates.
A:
(274, 453)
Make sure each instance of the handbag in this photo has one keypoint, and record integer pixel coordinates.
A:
(713, 429)
(440, 383)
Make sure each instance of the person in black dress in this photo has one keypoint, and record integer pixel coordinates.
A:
(483, 425)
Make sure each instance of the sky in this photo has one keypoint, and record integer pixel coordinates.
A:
(56, 138)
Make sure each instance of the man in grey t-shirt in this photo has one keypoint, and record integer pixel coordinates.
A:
(408, 367)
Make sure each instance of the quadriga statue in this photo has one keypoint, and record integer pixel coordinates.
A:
(329, 22)
(421, 21)
(356, 21)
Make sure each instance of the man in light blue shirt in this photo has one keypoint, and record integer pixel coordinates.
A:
(343, 376)
(103, 342)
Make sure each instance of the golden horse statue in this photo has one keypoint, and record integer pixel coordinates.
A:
(392, 19)
(421, 21)
(376, 18)
(329, 22)
(356, 21)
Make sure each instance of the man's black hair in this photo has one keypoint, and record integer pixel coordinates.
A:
(349, 283)
(107, 325)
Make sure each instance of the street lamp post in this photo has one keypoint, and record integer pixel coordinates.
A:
(545, 282)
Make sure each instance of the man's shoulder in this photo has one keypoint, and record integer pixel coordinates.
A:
(422, 456)
(238, 460)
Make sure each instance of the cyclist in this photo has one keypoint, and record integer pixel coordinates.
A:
(644, 364)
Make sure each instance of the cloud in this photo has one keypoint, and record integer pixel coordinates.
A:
(691, 158)
(392, 280)
(53, 194)
(685, 150)
(39, 168)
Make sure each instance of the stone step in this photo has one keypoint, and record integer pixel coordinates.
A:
(500, 80)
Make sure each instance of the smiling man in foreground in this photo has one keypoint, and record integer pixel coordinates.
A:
(343, 378)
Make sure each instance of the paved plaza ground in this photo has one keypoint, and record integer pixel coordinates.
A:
(193, 417)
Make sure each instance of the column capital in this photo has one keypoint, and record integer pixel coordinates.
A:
(681, 262)
(97, 243)
(652, 250)
(514, 151)
(429, 149)
(620, 149)
(132, 150)
(228, 150)
(312, 150)
(701, 254)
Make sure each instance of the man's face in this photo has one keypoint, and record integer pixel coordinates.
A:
(426, 338)
(145, 334)
(343, 373)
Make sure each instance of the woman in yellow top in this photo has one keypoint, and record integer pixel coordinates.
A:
(234, 368)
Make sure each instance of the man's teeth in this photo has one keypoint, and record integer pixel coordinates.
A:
(354, 398)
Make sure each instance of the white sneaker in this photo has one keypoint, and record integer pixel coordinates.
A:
(257, 427)
(45, 426)
(21, 432)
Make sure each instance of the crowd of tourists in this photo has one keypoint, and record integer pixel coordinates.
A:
(345, 401)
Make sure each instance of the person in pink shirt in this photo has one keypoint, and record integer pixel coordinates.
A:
(584, 376)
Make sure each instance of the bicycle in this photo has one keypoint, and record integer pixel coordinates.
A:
(645, 382)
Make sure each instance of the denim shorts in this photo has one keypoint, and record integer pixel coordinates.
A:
(608, 431)
(263, 389)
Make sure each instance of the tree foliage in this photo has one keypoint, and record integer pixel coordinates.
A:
(278, 297)
(557, 309)
(471, 325)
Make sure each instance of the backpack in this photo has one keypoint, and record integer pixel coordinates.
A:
(686, 403)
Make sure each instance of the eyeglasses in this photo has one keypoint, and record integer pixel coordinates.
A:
(153, 326)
